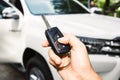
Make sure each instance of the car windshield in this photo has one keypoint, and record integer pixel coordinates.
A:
(38, 7)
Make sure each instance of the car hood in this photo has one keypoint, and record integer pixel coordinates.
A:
(88, 25)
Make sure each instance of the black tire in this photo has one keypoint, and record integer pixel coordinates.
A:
(38, 70)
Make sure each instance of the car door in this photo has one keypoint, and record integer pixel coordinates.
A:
(10, 32)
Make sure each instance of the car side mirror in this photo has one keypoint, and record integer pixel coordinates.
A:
(9, 13)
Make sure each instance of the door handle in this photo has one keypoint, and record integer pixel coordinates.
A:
(15, 30)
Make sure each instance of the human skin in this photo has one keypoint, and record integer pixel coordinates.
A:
(75, 65)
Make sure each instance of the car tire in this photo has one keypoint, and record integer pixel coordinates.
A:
(37, 70)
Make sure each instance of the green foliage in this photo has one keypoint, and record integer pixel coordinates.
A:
(101, 4)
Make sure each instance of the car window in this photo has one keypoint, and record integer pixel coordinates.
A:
(3, 5)
(17, 4)
(54, 7)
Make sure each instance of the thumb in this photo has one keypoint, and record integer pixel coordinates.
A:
(63, 40)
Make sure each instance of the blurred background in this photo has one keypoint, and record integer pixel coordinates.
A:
(108, 7)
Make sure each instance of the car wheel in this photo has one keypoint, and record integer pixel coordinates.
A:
(36, 74)
(37, 70)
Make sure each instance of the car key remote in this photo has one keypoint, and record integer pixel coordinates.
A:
(52, 35)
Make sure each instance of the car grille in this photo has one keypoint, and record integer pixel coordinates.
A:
(102, 46)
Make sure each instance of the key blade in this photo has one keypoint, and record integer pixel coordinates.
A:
(46, 22)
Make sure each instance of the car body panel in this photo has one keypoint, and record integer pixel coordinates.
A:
(10, 40)
(87, 25)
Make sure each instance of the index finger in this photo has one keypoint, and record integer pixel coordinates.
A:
(45, 44)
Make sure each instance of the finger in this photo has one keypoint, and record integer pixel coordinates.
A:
(70, 39)
(52, 63)
(45, 44)
(65, 39)
(56, 59)
(64, 65)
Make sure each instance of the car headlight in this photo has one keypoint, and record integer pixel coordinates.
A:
(101, 46)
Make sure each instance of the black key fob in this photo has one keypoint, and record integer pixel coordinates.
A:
(52, 35)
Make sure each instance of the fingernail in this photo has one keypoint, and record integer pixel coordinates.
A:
(60, 39)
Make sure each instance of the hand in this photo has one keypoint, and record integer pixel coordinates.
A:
(73, 66)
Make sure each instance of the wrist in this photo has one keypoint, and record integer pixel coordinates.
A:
(69, 75)
(92, 76)
(95, 76)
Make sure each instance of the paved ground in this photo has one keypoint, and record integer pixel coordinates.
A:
(9, 73)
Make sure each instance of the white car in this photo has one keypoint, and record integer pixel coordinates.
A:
(22, 33)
